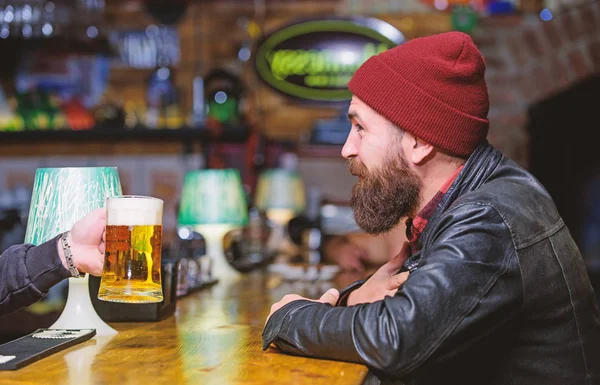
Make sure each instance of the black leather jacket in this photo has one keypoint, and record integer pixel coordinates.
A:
(500, 296)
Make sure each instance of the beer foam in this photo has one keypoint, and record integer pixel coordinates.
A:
(134, 211)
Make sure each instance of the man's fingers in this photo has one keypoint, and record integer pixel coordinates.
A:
(397, 280)
(331, 296)
(284, 301)
(95, 218)
(396, 263)
(102, 245)
(96, 270)
(401, 278)
(96, 265)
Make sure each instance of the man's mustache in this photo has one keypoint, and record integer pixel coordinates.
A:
(356, 168)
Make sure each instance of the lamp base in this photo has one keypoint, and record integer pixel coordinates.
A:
(213, 238)
(280, 244)
(79, 313)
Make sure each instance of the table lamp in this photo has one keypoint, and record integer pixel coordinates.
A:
(62, 196)
(280, 195)
(213, 203)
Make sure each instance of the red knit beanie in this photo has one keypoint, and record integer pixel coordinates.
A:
(432, 87)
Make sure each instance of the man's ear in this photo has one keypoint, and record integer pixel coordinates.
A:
(421, 150)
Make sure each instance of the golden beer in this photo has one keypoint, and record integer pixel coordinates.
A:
(132, 251)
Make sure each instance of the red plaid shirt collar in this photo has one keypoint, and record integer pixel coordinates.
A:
(415, 226)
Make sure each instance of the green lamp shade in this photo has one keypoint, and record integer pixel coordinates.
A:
(62, 196)
(280, 189)
(213, 197)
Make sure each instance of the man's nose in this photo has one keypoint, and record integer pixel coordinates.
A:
(350, 149)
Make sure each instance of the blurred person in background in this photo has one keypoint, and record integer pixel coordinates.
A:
(363, 253)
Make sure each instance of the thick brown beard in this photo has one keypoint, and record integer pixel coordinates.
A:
(384, 196)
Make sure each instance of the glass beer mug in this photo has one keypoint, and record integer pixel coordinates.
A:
(132, 250)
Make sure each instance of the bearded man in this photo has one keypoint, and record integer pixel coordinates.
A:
(490, 288)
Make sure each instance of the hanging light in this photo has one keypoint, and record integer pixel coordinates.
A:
(546, 14)
(92, 32)
(47, 29)
(27, 30)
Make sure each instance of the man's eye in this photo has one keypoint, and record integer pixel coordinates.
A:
(359, 127)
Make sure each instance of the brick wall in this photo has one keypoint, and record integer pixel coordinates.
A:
(529, 60)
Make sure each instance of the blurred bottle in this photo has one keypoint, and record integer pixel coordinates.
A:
(257, 236)
(110, 113)
(311, 234)
(32, 111)
(134, 114)
(58, 120)
(173, 116)
(9, 120)
(161, 94)
(78, 117)
(198, 102)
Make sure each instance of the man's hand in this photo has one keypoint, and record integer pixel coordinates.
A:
(87, 243)
(331, 296)
(383, 282)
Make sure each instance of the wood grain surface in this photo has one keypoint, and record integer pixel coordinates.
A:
(214, 338)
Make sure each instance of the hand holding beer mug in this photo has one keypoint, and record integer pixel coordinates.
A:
(133, 247)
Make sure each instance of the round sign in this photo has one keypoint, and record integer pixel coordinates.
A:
(314, 59)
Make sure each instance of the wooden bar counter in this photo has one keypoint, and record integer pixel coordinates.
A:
(214, 338)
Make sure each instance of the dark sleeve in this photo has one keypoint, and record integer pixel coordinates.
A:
(467, 286)
(27, 273)
(345, 292)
